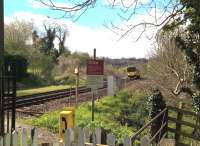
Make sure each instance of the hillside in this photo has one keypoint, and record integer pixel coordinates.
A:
(125, 62)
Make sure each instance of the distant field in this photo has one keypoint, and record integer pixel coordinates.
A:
(41, 90)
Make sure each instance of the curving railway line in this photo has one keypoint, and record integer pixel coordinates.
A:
(40, 98)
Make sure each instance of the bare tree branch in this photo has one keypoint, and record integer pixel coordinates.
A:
(76, 7)
(168, 66)
(163, 12)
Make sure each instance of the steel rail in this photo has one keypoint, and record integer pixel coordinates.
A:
(35, 99)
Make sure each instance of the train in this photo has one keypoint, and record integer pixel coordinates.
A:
(133, 73)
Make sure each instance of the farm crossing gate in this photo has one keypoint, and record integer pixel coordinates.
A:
(7, 96)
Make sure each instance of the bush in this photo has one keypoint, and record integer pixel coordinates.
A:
(69, 80)
(156, 104)
(31, 81)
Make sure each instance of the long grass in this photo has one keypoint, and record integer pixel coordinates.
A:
(41, 90)
(107, 115)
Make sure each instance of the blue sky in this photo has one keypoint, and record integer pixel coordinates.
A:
(88, 31)
(93, 17)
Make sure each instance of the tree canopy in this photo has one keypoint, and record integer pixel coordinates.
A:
(191, 42)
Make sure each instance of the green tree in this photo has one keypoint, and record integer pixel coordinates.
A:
(61, 35)
(191, 42)
(48, 40)
(17, 37)
(191, 45)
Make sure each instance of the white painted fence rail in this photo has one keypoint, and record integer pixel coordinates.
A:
(75, 137)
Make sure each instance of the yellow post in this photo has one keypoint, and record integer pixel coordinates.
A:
(67, 118)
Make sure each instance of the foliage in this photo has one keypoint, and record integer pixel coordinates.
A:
(67, 80)
(17, 35)
(22, 39)
(53, 32)
(30, 82)
(107, 115)
(156, 104)
(64, 71)
(196, 102)
(41, 90)
(49, 120)
(190, 42)
(48, 40)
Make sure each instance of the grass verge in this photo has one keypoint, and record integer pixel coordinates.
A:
(41, 90)
(121, 115)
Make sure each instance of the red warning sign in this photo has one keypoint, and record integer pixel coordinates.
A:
(95, 67)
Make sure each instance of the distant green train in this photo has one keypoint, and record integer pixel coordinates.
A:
(133, 73)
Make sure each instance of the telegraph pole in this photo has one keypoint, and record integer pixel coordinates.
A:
(1, 65)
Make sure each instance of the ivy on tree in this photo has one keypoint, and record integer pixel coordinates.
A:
(156, 104)
(196, 103)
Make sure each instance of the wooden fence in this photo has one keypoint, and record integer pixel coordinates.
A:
(185, 125)
(75, 137)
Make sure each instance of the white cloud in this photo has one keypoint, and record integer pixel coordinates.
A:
(35, 18)
(85, 39)
(7, 19)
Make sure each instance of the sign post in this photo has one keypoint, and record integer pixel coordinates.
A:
(95, 72)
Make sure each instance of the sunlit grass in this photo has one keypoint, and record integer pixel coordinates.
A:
(106, 115)
(41, 90)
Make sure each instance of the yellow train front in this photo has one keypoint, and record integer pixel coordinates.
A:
(133, 73)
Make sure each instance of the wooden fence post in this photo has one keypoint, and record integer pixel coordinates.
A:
(14, 138)
(110, 140)
(98, 135)
(145, 141)
(94, 142)
(87, 134)
(127, 141)
(7, 139)
(178, 125)
(24, 137)
(81, 141)
(56, 144)
(33, 137)
(68, 137)
(75, 134)
(1, 141)
(166, 120)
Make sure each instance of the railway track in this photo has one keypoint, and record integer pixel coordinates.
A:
(40, 98)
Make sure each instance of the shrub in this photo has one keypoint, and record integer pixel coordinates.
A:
(156, 105)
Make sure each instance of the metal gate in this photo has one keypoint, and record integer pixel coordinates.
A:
(7, 99)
